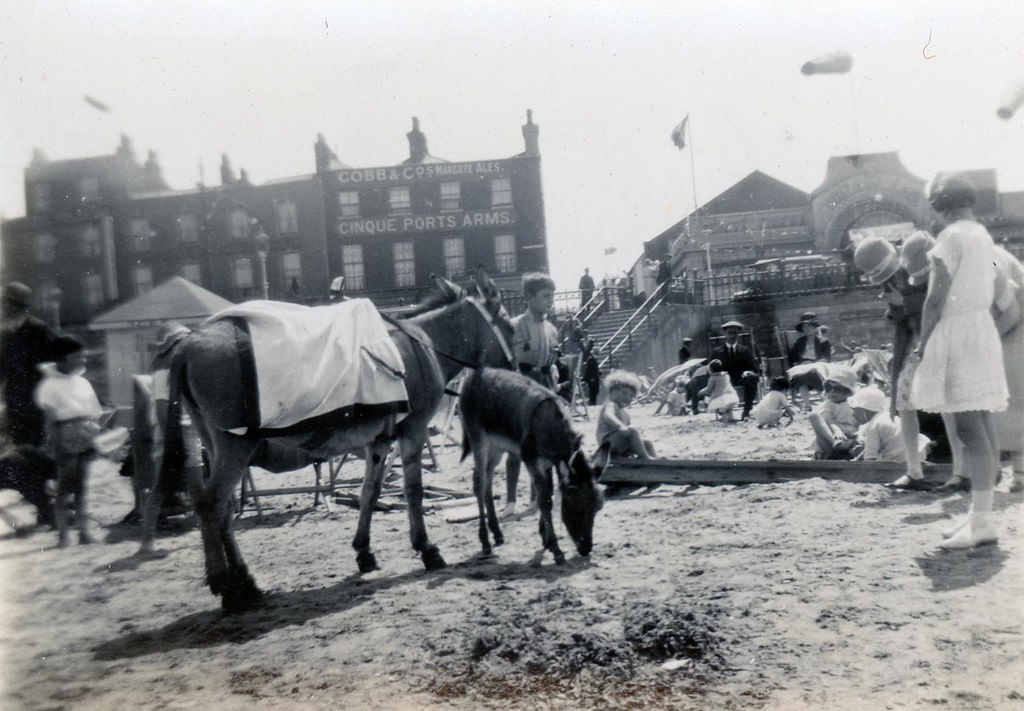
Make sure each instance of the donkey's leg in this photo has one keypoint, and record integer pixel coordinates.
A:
(376, 456)
(541, 473)
(411, 445)
(482, 490)
(226, 568)
(492, 516)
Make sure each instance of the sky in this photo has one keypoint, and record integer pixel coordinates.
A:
(606, 81)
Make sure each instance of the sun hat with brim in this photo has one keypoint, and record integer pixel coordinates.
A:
(808, 317)
(870, 398)
(732, 324)
(914, 256)
(18, 294)
(877, 258)
(841, 375)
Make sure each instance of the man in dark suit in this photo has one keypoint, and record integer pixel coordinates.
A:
(739, 362)
(25, 342)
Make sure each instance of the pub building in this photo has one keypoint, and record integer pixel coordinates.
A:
(102, 230)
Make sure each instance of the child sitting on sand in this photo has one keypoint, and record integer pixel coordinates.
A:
(721, 395)
(613, 423)
(879, 434)
(676, 400)
(834, 422)
(774, 405)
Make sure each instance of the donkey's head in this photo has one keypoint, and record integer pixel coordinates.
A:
(581, 495)
(482, 318)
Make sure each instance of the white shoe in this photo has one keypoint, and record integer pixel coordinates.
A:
(955, 527)
(510, 510)
(977, 532)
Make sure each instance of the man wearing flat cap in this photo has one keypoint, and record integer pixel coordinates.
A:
(739, 362)
(25, 342)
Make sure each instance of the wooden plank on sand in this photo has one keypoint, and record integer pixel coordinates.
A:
(709, 472)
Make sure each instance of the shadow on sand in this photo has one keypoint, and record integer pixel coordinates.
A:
(959, 569)
(213, 627)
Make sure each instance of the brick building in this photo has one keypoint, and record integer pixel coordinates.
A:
(102, 230)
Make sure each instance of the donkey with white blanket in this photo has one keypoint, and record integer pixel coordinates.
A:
(503, 411)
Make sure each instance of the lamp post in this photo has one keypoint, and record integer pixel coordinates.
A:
(262, 241)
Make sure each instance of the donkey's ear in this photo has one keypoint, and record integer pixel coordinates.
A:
(564, 474)
(601, 459)
(449, 290)
(488, 289)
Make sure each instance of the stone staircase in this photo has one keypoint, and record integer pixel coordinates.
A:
(603, 326)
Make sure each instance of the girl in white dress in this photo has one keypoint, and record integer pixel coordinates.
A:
(961, 370)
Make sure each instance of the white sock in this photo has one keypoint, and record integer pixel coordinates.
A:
(981, 502)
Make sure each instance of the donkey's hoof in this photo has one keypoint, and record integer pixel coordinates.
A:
(559, 558)
(499, 539)
(367, 562)
(432, 559)
(240, 594)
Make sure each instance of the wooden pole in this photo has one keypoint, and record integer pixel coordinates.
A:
(708, 472)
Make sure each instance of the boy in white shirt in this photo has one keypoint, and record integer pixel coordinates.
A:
(71, 409)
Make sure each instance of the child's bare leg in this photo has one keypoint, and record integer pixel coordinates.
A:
(636, 444)
(649, 446)
(81, 505)
(981, 459)
(956, 448)
(911, 431)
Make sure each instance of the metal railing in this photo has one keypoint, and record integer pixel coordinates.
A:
(752, 286)
(640, 318)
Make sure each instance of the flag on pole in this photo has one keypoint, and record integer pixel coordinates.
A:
(679, 133)
(609, 250)
(96, 104)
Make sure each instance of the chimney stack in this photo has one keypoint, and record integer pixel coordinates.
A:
(417, 143)
(530, 135)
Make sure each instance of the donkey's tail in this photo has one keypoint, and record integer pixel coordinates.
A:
(173, 460)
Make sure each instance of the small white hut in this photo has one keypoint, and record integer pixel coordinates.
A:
(131, 327)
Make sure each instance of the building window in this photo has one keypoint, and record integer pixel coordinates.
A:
(287, 217)
(39, 197)
(238, 224)
(291, 268)
(399, 199)
(501, 192)
(405, 264)
(505, 253)
(451, 194)
(46, 248)
(353, 267)
(90, 243)
(142, 278)
(89, 189)
(92, 290)
(348, 203)
(192, 272)
(141, 234)
(242, 274)
(454, 257)
(188, 228)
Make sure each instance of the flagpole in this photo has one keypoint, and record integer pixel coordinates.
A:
(693, 185)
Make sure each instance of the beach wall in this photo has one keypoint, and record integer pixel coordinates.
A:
(856, 318)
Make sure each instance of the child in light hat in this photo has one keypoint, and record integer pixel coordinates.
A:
(833, 421)
(881, 435)
(961, 372)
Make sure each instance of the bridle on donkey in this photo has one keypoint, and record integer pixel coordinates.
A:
(488, 319)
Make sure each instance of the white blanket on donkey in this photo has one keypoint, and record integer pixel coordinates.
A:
(314, 360)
